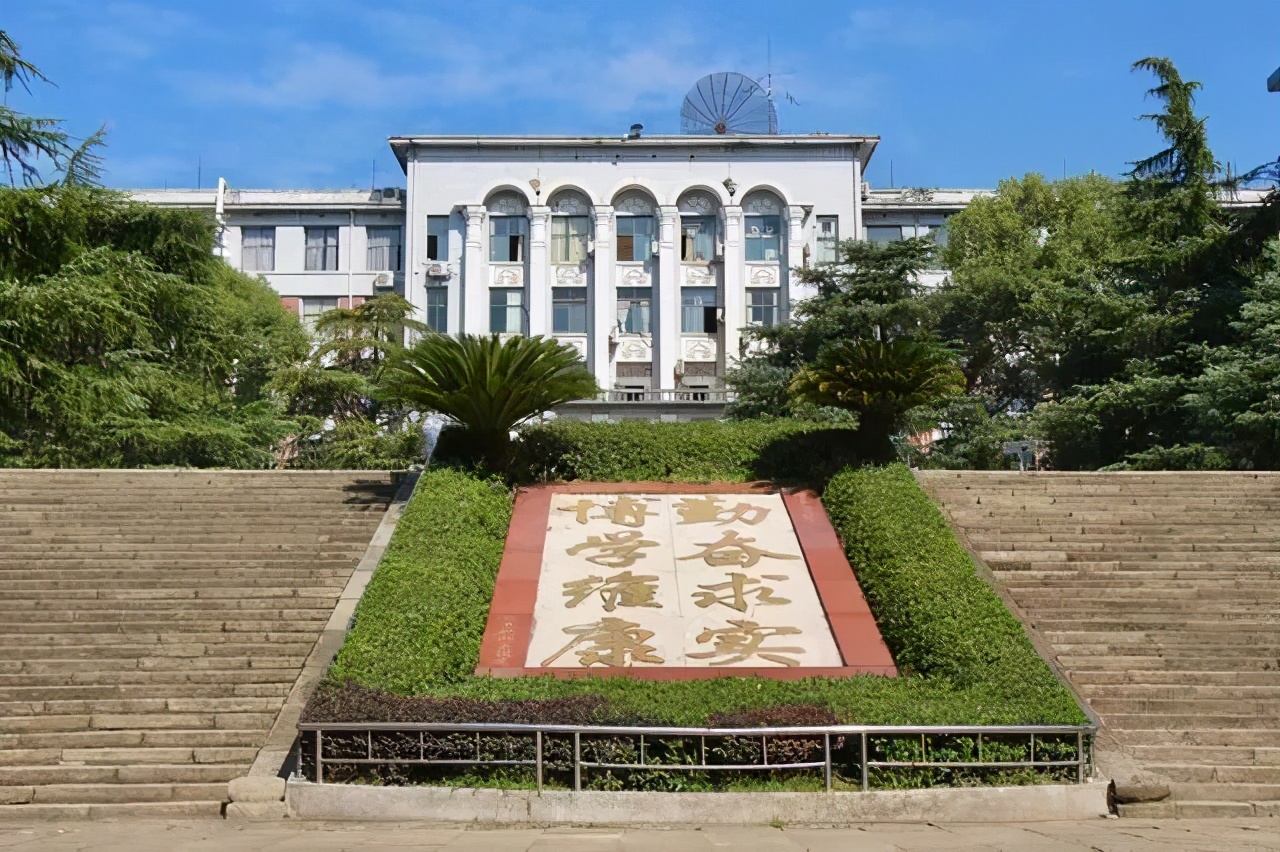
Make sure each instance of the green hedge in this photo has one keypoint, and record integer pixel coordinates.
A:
(702, 451)
(965, 659)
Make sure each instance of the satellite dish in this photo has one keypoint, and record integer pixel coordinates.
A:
(728, 103)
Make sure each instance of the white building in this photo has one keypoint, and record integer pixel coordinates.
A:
(648, 254)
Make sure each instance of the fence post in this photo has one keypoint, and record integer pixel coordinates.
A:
(865, 757)
(319, 756)
(538, 758)
(826, 749)
(1079, 757)
(577, 762)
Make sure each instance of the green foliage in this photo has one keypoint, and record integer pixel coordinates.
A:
(965, 659)
(701, 451)
(879, 381)
(972, 438)
(487, 386)
(126, 343)
(420, 620)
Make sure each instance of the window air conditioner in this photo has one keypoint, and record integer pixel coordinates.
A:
(382, 281)
(437, 270)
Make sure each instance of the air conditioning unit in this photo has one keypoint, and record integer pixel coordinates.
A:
(382, 281)
(866, 189)
(437, 270)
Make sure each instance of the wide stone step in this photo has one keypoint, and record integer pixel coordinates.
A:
(38, 776)
(1175, 678)
(162, 691)
(1225, 791)
(113, 706)
(1200, 756)
(151, 738)
(25, 814)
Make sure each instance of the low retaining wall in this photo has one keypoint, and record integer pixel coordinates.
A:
(307, 800)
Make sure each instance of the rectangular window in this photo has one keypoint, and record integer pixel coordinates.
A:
(506, 310)
(313, 308)
(828, 239)
(764, 237)
(697, 238)
(941, 233)
(384, 251)
(506, 238)
(322, 249)
(635, 237)
(762, 306)
(569, 239)
(437, 238)
(698, 307)
(634, 304)
(569, 310)
(884, 233)
(438, 309)
(258, 249)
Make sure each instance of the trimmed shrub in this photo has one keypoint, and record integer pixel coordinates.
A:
(703, 451)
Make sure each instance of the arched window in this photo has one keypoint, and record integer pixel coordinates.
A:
(636, 226)
(762, 226)
(570, 227)
(508, 228)
(699, 227)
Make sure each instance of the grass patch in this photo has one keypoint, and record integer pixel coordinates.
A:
(964, 657)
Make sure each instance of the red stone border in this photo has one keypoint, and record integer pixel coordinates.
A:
(510, 626)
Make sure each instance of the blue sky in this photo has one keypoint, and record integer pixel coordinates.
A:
(304, 94)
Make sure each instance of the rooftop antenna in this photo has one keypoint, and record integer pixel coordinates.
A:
(373, 175)
(199, 172)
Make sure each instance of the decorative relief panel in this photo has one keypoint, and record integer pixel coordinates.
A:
(762, 204)
(578, 343)
(698, 203)
(633, 276)
(634, 349)
(699, 276)
(570, 276)
(762, 276)
(570, 203)
(634, 203)
(507, 276)
(698, 349)
(508, 204)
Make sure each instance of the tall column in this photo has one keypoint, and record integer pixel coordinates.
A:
(475, 274)
(666, 337)
(604, 299)
(538, 293)
(735, 264)
(793, 289)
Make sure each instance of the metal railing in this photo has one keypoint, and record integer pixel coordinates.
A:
(712, 395)
(869, 742)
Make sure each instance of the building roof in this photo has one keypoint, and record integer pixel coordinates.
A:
(863, 146)
(274, 199)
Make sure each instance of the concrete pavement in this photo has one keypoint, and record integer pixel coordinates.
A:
(1099, 835)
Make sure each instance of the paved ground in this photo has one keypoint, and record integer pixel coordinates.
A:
(1101, 835)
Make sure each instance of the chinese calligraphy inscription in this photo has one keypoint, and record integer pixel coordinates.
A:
(688, 580)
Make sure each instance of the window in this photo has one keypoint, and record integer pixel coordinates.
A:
(764, 237)
(384, 252)
(313, 308)
(569, 239)
(635, 237)
(828, 239)
(322, 249)
(697, 238)
(438, 309)
(698, 310)
(506, 238)
(506, 311)
(258, 249)
(884, 233)
(762, 306)
(569, 310)
(437, 238)
(941, 234)
(634, 304)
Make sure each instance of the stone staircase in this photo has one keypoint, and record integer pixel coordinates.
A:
(154, 623)
(1159, 595)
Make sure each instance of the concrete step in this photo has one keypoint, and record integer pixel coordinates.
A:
(151, 738)
(115, 810)
(42, 775)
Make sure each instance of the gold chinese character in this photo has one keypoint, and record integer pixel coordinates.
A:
(733, 549)
(625, 589)
(617, 550)
(707, 510)
(613, 642)
(743, 641)
(624, 511)
(736, 592)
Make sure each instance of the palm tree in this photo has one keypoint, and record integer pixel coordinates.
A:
(880, 381)
(488, 386)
